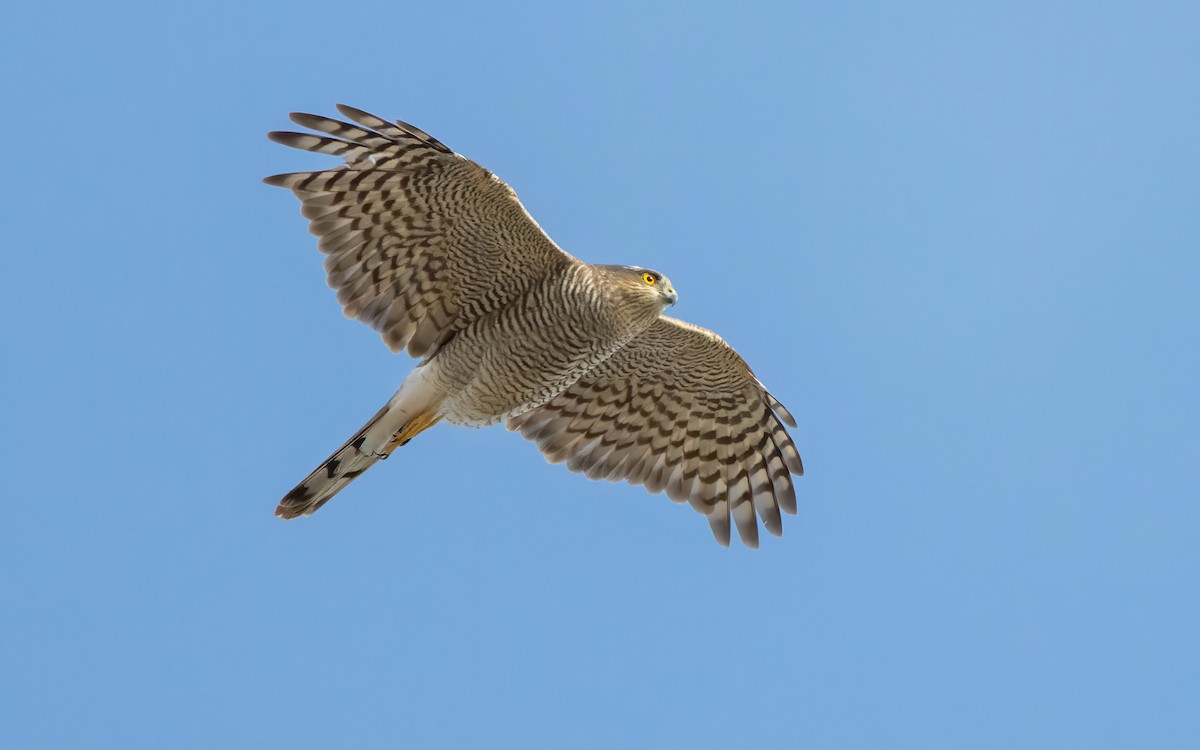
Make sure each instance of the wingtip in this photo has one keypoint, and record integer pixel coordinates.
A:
(771, 519)
(782, 413)
(720, 529)
(352, 112)
(777, 406)
(749, 538)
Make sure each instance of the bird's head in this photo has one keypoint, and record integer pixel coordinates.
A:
(644, 286)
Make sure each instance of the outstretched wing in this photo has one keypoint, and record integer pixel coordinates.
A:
(677, 409)
(420, 240)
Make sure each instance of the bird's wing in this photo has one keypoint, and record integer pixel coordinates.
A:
(419, 240)
(677, 409)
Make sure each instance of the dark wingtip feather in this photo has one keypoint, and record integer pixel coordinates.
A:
(782, 412)
(771, 520)
(720, 527)
(354, 113)
(303, 118)
(778, 409)
(749, 538)
(787, 498)
(277, 180)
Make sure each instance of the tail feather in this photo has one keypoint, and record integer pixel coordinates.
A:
(334, 473)
(412, 409)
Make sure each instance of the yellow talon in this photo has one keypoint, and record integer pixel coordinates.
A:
(417, 425)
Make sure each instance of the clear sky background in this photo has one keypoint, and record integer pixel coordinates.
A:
(962, 243)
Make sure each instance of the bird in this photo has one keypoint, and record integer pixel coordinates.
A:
(438, 255)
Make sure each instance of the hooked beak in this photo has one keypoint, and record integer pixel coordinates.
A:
(670, 296)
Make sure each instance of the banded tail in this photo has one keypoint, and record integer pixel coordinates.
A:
(408, 413)
(334, 473)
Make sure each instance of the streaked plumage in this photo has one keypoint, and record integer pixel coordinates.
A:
(438, 255)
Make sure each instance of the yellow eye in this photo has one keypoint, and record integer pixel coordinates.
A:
(649, 279)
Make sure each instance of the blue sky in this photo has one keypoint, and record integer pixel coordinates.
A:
(959, 242)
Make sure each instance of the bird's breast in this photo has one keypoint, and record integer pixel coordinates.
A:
(523, 355)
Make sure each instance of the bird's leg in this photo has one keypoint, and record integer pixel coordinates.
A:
(414, 427)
